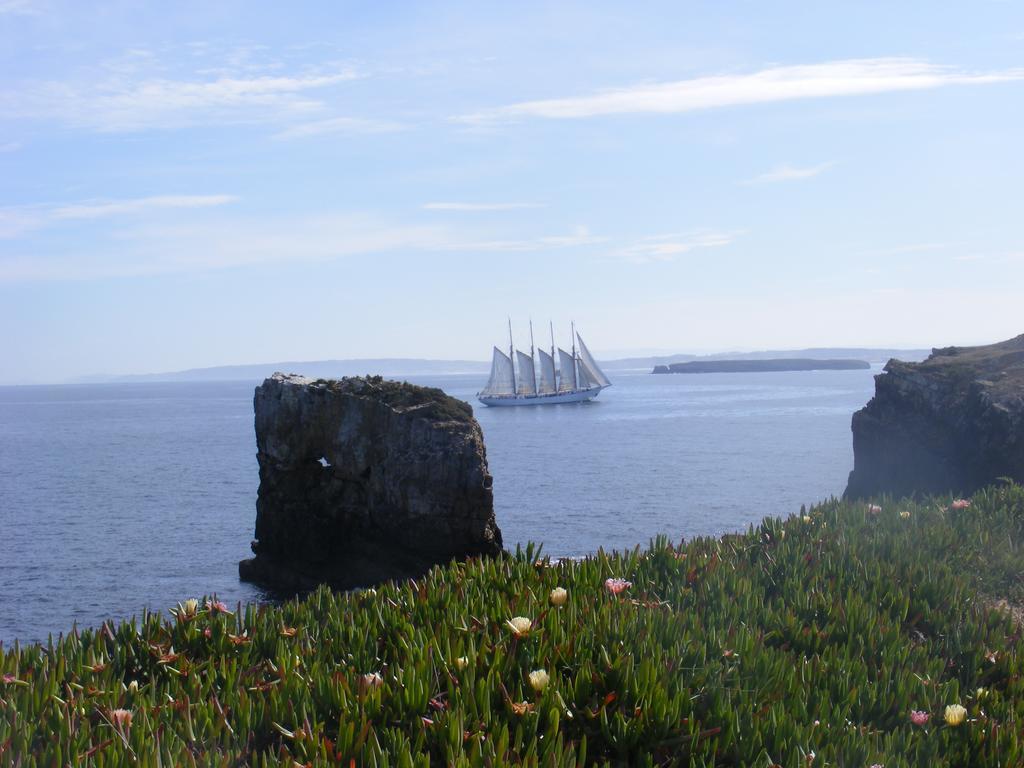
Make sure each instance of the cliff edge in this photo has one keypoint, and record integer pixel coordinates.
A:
(952, 423)
(364, 480)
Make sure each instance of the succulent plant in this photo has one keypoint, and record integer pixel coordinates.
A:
(858, 639)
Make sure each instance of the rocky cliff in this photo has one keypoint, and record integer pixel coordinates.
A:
(363, 480)
(952, 423)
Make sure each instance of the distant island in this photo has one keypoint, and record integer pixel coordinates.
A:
(748, 366)
(404, 367)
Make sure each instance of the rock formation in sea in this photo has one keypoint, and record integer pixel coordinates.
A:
(952, 423)
(364, 480)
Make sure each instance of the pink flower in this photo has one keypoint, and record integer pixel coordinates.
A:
(961, 504)
(216, 606)
(615, 586)
(919, 717)
(874, 509)
(8, 678)
(121, 718)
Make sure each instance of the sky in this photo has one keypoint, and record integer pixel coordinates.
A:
(197, 184)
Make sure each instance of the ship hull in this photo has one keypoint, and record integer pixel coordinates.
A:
(558, 398)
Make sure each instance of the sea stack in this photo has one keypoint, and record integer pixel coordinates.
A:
(951, 424)
(364, 480)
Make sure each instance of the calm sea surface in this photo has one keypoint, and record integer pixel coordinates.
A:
(117, 497)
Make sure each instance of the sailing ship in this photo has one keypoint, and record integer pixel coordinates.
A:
(577, 378)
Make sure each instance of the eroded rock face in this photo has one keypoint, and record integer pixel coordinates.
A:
(952, 423)
(364, 480)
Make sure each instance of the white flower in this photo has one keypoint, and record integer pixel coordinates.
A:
(955, 714)
(539, 680)
(462, 662)
(905, 514)
(558, 596)
(520, 626)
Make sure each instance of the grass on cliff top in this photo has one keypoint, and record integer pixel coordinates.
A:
(805, 641)
(431, 402)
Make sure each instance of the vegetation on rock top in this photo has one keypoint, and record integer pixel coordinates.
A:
(852, 635)
(430, 402)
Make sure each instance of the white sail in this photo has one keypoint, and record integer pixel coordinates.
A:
(585, 380)
(567, 372)
(589, 368)
(502, 376)
(547, 374)
(527, 380)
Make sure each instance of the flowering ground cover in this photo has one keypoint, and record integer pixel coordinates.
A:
(847, 635)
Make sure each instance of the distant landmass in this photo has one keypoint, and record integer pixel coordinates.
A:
(871, 354)
(405, 366)
(774, 364)
(316, 369)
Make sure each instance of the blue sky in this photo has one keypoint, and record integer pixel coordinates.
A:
(243, 182)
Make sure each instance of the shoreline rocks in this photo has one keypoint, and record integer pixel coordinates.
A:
(950, 424)
(364, 480)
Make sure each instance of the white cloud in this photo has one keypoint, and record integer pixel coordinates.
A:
(581, 236)
(782, 83)
(154, 248)
(668, 247)
(14, 222)
(20, 220)
(339, 125)
(10, 146)
(139, 90)
(473, 207)
(789, 173)
(137, 205)
(20, 7)
(901, 250)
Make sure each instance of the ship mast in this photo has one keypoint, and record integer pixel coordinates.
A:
(512, 355)
(531, 356)
(554, 383)
(575, 366)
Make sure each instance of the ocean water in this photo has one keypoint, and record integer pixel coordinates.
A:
(119, 497)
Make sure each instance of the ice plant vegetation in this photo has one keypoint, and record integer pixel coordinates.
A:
(520, 626)
(216, 606)
(955, 714)
(616, 586)
(371, 680)
(539, 680)
(753, 649)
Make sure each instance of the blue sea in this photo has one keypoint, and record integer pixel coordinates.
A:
(119, 497)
